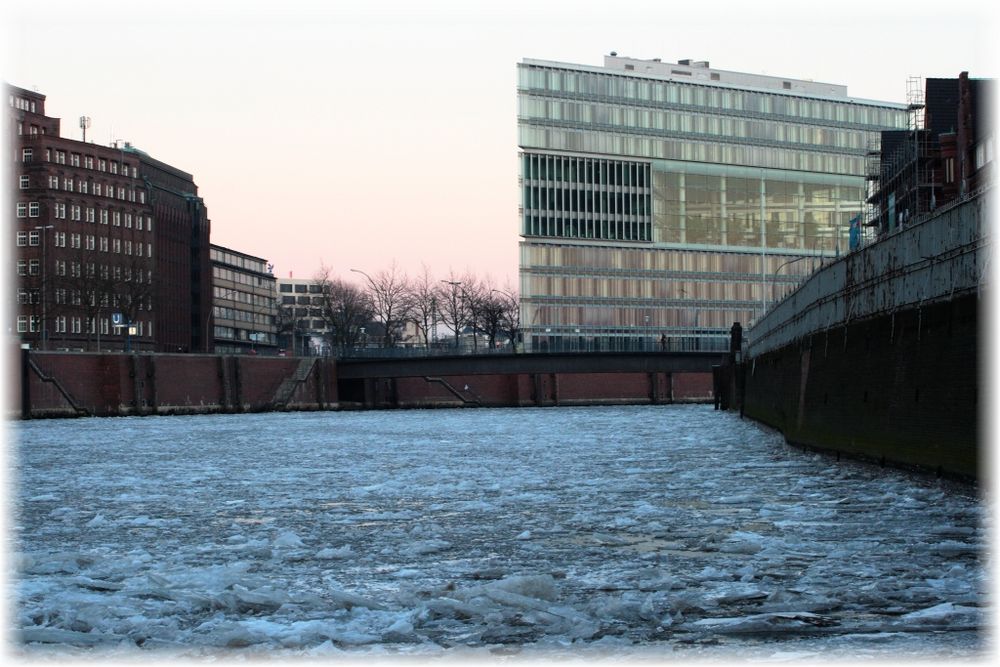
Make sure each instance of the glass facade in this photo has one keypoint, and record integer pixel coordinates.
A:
(657, 208)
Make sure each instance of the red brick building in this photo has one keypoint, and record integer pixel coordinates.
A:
(111, 246)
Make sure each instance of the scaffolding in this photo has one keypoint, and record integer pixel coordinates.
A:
(901, 169)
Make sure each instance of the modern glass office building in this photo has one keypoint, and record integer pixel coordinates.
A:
(662, 202)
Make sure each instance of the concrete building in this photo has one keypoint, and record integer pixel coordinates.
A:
(302, 330)
(243, 314)
(661, 202)
(85, 235)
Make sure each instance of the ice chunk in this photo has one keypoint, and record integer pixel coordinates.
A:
(332, 554)
(945, 613)
(771, 622)
(526, 535)
(350, 600)
(288, 539)
(98, 520)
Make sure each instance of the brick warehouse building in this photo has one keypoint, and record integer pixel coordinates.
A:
(111, 246)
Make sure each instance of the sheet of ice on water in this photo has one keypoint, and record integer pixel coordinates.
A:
(671, 531)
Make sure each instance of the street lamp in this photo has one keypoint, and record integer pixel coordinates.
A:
(781, 266)
(45, 332)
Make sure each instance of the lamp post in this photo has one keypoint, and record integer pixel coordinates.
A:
(781, 266)
(45, 331)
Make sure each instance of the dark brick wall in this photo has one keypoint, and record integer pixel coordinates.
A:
(901, 389)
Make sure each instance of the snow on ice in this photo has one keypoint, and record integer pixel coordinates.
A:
(643, 531)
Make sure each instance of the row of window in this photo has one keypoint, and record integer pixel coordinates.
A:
(78, 325)
(62, 268)
(233, 333)
(91, 214)
(590, 318)
(300, 288)
(240, 261)
(89, 242)
(622, 89)
(242, 278)
(666, 148)
(716, 127)
(86, 187)
(86, 161)
(24, 104)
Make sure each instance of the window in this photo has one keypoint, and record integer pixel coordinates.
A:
(97, 189)
(128, 221)
(60, 239)
(60, 157)
(91, 242)
(83, 187)
(33, 266)
(104, 243)
(26, 154)
(22, 267)
(128, 247)
(116, 219)
(22, 239)
(60, 267)
(60, 324)
(68, 184)
(60, 211)
(53, 182)
(74, 241)
(74, 212)
(142, 196)
(24, 182)
(74, 159)
(116, 245)
(121, 193)
(104, 216)
(102, 165)
(138, 222)
(114, 167)
(33, 209)
(22, 323)
(88, 162)
(22, 210)
(33, 238)
(90, 214)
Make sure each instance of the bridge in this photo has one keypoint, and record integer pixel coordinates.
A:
(558, 378)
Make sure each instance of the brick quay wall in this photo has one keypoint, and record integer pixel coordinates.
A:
(69, 384)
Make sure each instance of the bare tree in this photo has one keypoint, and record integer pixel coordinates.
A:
(344, 307)
(131, 288)
(510, 321)
(454, 305)
(389, 292)
(489, 311)
(424, 304)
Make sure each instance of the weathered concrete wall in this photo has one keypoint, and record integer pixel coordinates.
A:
(903, 389)
(876, 355)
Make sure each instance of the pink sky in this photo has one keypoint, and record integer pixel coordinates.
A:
(358, 135)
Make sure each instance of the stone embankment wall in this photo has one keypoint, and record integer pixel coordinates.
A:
(877, 355)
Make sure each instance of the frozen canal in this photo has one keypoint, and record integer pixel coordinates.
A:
(671, 532)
